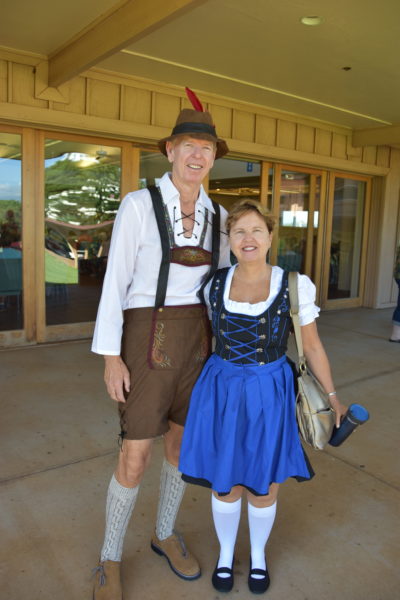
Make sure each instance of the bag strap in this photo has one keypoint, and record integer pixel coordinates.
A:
(294, 313)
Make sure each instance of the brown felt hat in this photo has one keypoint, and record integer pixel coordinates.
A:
(196, 124)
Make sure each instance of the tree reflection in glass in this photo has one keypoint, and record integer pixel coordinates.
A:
(11, 308)
(82, 192)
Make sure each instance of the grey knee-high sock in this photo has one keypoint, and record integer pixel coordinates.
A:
(120, 503)
(172, 489)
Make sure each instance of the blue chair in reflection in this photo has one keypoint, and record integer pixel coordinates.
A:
(10, 274)
(290, 261)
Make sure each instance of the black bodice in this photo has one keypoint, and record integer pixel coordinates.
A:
(247, 339)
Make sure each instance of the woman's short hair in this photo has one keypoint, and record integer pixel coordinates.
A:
(245, 205)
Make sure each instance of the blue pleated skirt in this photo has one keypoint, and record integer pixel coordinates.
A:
(241, 428)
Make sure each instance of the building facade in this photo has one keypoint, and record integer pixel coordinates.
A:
(68, 155)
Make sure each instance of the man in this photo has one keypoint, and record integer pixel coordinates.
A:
(154, 333)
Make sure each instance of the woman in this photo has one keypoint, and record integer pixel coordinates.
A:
(241, 431)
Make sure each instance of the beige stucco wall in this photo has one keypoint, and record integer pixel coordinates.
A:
(128, 108)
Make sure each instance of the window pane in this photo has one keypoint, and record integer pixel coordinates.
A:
(293, 220)
(11, 316)
(153, 165)
(347, 227)
(82, 189)
(271, 178)
(231, 180)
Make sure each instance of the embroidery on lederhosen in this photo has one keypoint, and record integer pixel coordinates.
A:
(158, 356)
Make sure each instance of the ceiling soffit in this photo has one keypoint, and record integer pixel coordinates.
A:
(129, 22)
(255, 52)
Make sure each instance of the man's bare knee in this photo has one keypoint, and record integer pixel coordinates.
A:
(172, 443)
(133, 460)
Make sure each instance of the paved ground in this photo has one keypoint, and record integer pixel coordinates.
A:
(336, 537)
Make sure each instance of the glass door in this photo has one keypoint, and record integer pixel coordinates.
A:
(152, 167)
(347, 220)
(81, 195)
(299, 200)
(11, 291)
(82, 192)
(232, 179)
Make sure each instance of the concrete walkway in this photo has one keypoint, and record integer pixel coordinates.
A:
(336, 537)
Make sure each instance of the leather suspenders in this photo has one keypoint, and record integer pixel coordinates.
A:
(166, 258)
(166, 250)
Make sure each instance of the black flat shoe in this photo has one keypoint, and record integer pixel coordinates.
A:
(222, 584)
(258, 586)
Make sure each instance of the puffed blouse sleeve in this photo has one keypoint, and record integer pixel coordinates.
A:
(308, 311)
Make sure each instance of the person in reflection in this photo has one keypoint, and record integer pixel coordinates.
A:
(154, 333)
(395, 335)
(241, 432)
(10, 231)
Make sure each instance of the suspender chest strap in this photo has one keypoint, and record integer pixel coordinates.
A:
(158, 207)
(166, 258)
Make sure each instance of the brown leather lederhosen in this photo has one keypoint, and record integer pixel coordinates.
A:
(165, 347)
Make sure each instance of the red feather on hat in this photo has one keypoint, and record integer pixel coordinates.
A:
(197, 105)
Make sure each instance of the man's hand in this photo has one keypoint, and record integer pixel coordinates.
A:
(116, 377)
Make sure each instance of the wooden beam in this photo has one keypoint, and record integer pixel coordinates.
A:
(131, 21)
(42, 89)
(378, 136)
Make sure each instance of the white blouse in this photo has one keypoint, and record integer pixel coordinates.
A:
(308, 311)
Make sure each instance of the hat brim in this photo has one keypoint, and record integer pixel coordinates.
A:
(222, 147)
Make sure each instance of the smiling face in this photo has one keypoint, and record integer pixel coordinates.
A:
(249, 238)
(191, 159)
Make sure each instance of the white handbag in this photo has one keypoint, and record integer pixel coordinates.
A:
(315, 417)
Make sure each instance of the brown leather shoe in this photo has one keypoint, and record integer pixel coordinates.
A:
(107, 585)
(181, 561)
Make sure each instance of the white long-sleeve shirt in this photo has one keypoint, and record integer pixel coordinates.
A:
(135, 256)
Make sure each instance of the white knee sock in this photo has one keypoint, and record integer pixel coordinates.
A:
(261, 521)
(172, 488)
(226, 517)
(120, 503)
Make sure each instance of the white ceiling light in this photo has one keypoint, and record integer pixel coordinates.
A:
(311, 21)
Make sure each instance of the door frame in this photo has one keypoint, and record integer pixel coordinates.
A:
(357, 301)
(26, 335)
(129, 182)
(316, 275)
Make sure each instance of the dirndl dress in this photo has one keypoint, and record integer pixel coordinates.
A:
(241, 427)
